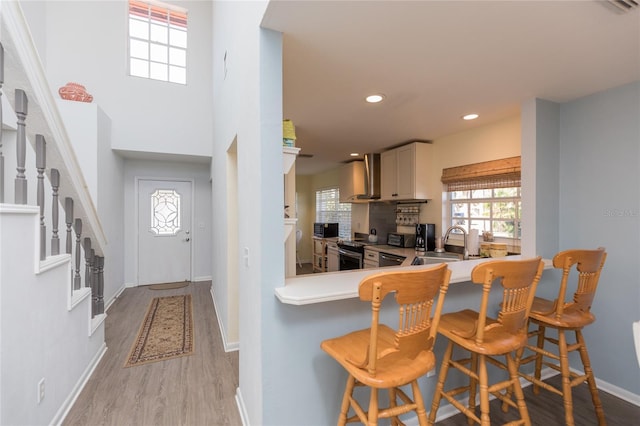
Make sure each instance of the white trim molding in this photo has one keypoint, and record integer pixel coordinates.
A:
(228, 346)
(58, 419)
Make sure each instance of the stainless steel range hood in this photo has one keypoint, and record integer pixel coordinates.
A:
(371, 177)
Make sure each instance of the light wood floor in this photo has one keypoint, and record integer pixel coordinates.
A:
(193, 390)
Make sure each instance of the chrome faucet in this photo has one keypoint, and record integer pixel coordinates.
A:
(465, 255)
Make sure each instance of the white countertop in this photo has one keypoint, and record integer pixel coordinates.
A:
(329, 286)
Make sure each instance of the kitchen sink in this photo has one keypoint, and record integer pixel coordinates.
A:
(432, 257)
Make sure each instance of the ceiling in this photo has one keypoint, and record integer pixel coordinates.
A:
(435, 61)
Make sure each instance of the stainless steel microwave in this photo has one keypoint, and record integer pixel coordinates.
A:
(325, 230)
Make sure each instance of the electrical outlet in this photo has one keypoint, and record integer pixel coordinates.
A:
(40, 390)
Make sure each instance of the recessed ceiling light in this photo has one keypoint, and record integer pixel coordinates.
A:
(374, 99)
(470, 117)
(354, 154)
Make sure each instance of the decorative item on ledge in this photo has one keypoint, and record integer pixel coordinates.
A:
(75, 92)
(288, 133)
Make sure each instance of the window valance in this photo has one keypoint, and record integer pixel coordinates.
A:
(503, 173)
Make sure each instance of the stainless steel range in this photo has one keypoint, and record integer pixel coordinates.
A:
(350, 254)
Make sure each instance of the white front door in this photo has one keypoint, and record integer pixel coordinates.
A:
(164, 231)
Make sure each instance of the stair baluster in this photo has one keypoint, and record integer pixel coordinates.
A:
(41, 163)
(100, 285)
(21, 147)
(94, 283)
(77, 227)
(55, 239)
(1, 156)
(68, 218)
(87, 261)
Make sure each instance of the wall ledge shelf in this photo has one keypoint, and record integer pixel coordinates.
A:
(289, 226)
(289, 154)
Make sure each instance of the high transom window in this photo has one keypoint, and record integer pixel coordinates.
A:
(157, 41)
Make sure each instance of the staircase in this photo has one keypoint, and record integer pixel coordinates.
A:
(51, 245)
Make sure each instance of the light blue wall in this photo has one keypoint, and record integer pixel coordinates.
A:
(600, 206)
(576, 176)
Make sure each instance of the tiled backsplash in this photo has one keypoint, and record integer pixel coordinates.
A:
(382, 217)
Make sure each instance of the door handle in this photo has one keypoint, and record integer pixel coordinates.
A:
(187, 239)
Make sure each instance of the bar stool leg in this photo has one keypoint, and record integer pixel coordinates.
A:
(584, 356)
(519, 353)
(566, 379)
(344, 409)
(485, 420)
(437, 395)
(541, 334)
(517, 389)
(473, 385)
(395, 421)
(417, 398)
(373, 407)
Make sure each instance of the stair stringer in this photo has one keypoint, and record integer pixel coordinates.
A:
(40, 337)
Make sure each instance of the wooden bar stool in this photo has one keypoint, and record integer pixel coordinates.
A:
(484, 338)
(565, 317)
(384, 358)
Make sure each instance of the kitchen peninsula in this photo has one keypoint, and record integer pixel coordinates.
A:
(332, 286)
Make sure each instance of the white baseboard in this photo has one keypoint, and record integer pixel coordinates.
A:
(616, 391)
(204, 278)
(242, 409)
(115, 297)
(228, 346)
(75, 392)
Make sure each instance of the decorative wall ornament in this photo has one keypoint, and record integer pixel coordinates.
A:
(75, 92)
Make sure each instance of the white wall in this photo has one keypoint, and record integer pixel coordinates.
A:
(248, 109)
(89, 131)
(110, 206)
(201, 227)
(87, 44)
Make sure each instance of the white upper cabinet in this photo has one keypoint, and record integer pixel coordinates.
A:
(404, 172)
(351, 181)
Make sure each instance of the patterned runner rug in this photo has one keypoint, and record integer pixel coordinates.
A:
(166, 331)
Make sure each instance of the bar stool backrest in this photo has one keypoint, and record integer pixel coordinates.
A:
(589, 264)
(519, 279)
(415, 292)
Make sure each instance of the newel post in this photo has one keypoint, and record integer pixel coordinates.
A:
(55, 239)
(21, 147)
(41, 164)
